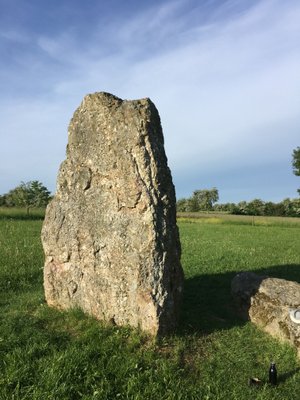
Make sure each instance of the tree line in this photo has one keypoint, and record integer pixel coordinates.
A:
(26, 195)
(206, 200)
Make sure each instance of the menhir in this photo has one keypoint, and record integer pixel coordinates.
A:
(110, 237)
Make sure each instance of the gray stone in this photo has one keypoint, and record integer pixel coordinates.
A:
(110, 237)
(267, 302)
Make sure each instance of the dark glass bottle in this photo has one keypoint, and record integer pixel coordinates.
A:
(273, 374)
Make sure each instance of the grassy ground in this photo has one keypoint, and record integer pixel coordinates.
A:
(21, 213)
(46, 354)
(224, 218)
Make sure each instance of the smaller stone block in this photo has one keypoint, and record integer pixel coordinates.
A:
(267, 303)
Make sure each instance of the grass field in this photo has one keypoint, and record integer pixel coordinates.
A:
(46, 354)
(21, 213)
(224, 218)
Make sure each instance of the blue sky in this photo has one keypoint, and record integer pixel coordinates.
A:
(224, 75)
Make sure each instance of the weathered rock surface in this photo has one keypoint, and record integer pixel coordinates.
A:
(267, 302)
(110, 237)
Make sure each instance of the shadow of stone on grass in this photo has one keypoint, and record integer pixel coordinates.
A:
(207, 302)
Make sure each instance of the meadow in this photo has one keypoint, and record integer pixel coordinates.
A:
(48, 354)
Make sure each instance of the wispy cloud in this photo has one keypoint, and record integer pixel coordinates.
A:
(223, 74)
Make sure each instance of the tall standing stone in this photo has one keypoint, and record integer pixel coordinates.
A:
(110, 237)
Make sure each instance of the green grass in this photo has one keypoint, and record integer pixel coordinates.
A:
(47, 354)
(225, 218)
(21, 213)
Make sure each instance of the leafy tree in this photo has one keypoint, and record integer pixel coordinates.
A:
(230, 208)
(296, 163)
(40, 194)
(255, 207)
(2, 200)
(28, 195)
(181, 205)
(205, 198)
(296, 207)
(270, 209)
(191, 205)
(241, 208)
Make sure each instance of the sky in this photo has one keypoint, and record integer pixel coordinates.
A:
(224, 75)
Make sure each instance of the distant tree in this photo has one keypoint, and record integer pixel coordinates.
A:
(270, 208)
(205, 198)
(296, 162)
(230, 208)
(287, 206)
(28, 195)
(279, 210)
(192, 205)
(40, 194)
(181, 205)
(2, 200)
(241, 208)
(255, 207)
(296, 207)
(290, 207)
